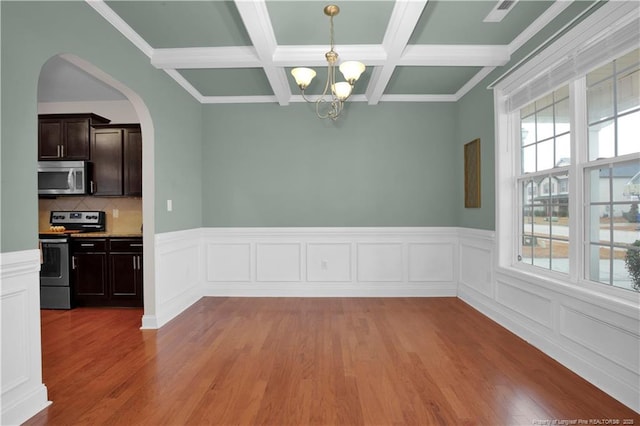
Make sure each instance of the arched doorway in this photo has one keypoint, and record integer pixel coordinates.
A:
(144, 118)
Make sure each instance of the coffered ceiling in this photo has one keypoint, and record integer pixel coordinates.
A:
(242, 51)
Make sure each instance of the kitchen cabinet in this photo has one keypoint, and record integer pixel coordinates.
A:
(132, 159)
(125, 271)
(116, 155)
(106, 156)
(66, 136)
(107, 271)
(89, 271)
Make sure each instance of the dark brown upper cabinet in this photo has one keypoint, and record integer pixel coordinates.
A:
(66, 136)
(116, 154)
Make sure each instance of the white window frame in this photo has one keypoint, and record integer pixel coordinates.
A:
(615, 25)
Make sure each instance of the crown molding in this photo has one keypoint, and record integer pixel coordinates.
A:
(543, 20)
(419, 98)
(238, 99)
(480, 75)
(118, 23)
(185, 84)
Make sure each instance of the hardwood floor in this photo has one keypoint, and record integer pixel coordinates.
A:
(292, 361)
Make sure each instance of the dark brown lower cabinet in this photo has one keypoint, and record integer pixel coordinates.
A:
(125, 271)
(107, 271)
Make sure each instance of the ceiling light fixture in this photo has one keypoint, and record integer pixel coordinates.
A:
(339, 92)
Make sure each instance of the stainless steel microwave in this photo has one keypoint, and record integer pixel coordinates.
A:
(63, 177)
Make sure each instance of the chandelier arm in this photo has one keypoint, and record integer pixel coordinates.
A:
(304, 96)
(323, 116)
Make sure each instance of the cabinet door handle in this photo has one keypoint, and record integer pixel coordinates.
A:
(58, 151)
(87, 245)
(134, 263)
(93, 187)
(62, 150)
(73, 262)
(136, 244)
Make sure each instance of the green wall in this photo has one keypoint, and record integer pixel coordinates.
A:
(475, 120)
(384, 165)
(33, 32)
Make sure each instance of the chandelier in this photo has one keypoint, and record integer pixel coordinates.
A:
(331, 102)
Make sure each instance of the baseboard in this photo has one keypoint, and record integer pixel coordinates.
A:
(25, 408)
(149, 322)
(176, 306)
(327, 290)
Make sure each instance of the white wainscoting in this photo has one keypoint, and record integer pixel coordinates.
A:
(178, 273)
(23, 393)
(326, 262)
(595, 335)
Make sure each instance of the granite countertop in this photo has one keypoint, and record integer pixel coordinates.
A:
(97, 234)
(107, 235)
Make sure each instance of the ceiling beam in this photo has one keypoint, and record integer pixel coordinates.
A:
(255, 17)
(313, 55)
(454, 55)
(206, 57)
(403, 21)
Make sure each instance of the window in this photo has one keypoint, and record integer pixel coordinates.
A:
(599, 159)
(613, 105)
(545, 155)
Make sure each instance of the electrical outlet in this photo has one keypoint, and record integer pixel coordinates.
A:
(169, 205)
(324, 265)
(116, 213)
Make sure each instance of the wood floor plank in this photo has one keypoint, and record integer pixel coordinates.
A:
(297, 361)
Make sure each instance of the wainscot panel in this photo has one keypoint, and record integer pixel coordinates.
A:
(593, 334)
(278, 262)
(178, 273)
(23, 393)
(364, 262)
(526, 303)
(476, 264)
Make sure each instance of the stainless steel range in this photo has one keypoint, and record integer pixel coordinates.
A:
(55, 280)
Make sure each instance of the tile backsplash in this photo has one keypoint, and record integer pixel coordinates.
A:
(128, 211)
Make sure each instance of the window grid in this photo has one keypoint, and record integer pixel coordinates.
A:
(544, 181)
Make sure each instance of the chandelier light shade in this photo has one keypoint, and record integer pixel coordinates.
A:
(331, 102)
(303, 76)
(351, 70)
